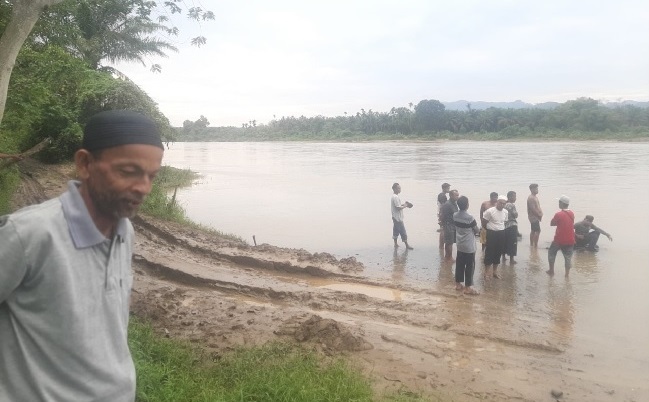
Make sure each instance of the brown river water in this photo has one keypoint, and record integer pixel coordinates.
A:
(334, 197)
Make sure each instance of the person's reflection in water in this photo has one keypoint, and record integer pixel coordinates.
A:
(586, 263)
(561, 311)
(535, 260)
(399, 261)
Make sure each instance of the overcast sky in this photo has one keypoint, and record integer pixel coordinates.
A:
(291, 58)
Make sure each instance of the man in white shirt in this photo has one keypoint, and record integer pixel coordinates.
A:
(398, 227)
(495, 217)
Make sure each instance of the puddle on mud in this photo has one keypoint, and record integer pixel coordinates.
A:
(381, 292)
(371, 291)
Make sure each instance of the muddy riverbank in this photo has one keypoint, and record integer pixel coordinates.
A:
(220, 293)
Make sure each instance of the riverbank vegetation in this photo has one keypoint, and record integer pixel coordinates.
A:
(173, 370)
(161, 201)
(579, 119)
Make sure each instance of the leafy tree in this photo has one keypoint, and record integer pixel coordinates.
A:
(95, 30)
(430, 115)
(17, 26)
(52, 94)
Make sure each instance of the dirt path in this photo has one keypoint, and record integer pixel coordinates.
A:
(221, 294)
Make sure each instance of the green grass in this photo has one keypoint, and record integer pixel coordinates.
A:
(9, 181)
(160, 205)
(172, 370)
(170, 177)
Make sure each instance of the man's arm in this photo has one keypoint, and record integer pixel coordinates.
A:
(486, 217)
(474, 226)
(553, 222)
(483, 208)
(443, 213)
(12, 259)
(602, 231)
(395, 202)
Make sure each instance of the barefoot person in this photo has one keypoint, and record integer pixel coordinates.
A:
(398, 227)
(495, 218)
(534, 214)
(491, 202)
(587, 234)
(65, 273)
(511, 228)
(448, 227)
(564, 237)
(466, 228)
(441, 200)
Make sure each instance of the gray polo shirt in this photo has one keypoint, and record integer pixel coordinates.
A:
(64, 305)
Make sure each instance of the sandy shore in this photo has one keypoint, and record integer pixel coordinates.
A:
(221, 294)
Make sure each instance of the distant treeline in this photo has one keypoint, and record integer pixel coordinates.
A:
(582, 118)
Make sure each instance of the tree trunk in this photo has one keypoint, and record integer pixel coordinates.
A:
(24, 14)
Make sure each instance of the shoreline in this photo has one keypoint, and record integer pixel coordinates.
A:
(221, 294)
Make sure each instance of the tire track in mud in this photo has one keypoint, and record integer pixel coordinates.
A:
(346, 265)
(358, 305)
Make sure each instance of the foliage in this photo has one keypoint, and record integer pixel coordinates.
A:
(160, 205)
(583, 118)
(172, 370)
(52, 94)
(9, 181)
(109, 31)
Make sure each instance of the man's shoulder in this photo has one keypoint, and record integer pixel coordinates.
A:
(463, 215)
(36, 214)
(33, 222)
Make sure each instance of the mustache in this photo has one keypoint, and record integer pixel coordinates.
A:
(137, 198)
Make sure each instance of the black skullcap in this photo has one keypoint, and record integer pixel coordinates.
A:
(119, 127)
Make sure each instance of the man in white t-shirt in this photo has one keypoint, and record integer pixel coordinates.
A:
(495, 217)
(398, 228)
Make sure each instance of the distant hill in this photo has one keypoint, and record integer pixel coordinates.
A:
(519, 104)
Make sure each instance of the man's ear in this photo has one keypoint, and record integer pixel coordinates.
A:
(82, 159)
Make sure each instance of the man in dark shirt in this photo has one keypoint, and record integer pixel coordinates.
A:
(441, 200)
(448, 226)
(587, 234)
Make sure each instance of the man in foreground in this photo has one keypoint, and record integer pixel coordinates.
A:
(65, 272)
(398, 227)
(587, 234)
(466, 228)
(564, 237)
(534, 214)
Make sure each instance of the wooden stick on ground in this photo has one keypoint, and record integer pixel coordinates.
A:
(8, 160)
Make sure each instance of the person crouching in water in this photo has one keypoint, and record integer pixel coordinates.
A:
(466, 228)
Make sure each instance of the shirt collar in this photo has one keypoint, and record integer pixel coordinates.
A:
(82, 228)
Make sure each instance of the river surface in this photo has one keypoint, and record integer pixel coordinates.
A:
(335, 197)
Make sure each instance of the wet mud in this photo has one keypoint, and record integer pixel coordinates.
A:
(222, 294)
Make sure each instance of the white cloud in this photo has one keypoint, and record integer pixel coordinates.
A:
(307, 58)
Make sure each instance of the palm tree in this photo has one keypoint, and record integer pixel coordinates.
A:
(118, 30)
(108, 31)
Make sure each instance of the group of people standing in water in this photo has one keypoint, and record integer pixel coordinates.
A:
(498, 231)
